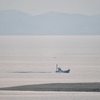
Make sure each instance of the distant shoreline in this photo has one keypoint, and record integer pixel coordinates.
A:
(78, 87)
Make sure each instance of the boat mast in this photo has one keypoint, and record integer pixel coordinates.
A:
(56, 67)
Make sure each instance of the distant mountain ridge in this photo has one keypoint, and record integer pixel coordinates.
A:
(52, 23)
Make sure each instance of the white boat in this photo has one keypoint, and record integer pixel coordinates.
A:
(59, 70)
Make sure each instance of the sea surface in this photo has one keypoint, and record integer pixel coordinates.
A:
(28, 60)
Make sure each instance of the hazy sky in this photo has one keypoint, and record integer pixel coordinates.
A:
(88, 7)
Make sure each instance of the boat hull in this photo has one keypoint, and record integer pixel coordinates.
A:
(61, 71)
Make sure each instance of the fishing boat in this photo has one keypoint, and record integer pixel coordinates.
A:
(59, 70)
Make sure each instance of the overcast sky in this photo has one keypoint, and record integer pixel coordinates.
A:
(34, 7)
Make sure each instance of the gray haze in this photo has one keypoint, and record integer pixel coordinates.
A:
(52, 23)
(49, 17)
(34, 7)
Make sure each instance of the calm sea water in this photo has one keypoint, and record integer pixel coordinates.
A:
(32, 59)
(27, 95)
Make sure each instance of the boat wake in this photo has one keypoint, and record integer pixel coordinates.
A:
(30, 72)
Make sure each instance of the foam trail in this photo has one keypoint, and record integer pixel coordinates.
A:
(29, 72)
